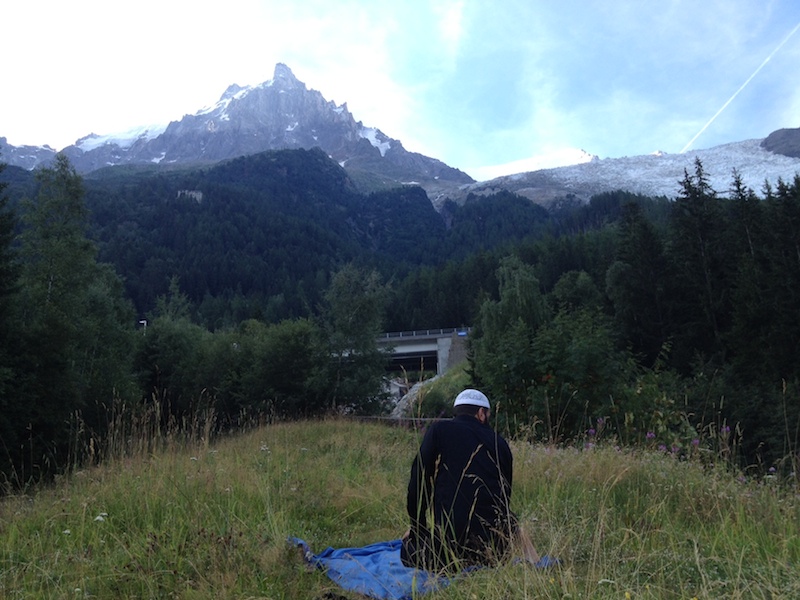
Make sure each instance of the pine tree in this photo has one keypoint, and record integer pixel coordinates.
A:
(783, 224)
(9, 401)
(636, 283)
(699, 302)
(9, 270)
(75, 323)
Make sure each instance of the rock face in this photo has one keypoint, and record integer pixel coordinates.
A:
(27, 157)
(278, 114)
(783, 141)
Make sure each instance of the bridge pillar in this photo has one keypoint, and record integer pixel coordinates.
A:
(450, 351)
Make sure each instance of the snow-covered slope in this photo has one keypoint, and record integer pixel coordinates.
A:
(124, 140)
(657, 174)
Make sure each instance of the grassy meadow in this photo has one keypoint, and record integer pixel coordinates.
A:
(178, 519)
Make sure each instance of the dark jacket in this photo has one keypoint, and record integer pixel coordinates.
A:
(463, 471)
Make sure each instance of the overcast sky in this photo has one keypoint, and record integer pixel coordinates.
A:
(475, 83)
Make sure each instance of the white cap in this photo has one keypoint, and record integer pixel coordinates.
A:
(473, 397)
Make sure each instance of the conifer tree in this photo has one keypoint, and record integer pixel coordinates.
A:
(783, 225)
(9, 406)
(75, 323)
(636, 283)
(8, 266)
(699, 302)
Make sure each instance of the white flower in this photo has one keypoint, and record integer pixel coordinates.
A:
(66, 532)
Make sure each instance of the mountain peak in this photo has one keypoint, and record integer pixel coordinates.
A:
(282, 72)
(232, 90)
(783, 141)
(281, 113)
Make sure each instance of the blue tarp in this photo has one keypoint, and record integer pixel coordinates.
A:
(374, 570)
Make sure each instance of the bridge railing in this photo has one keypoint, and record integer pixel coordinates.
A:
(460, 331)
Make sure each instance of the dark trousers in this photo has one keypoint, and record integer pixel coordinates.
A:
(429, 551)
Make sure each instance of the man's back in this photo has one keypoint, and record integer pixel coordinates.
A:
(463, 471)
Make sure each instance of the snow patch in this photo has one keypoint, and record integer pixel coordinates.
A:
(661, 174)
(242, 93)
(376, 138)
(221, 107)
(125, 139)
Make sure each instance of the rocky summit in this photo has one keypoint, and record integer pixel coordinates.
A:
(281, 113)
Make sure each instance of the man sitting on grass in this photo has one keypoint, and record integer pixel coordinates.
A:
(463, 474)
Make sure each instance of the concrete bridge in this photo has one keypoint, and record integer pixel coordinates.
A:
(426, 349)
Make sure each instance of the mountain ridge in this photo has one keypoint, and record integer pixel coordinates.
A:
(282, 113)
(658, 174)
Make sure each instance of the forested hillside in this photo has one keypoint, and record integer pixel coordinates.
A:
(256, 288)
(259, 236)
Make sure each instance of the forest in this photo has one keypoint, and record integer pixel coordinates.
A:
(254, 290)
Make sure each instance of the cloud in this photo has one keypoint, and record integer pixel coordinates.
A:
(449, 15)
(625, 79)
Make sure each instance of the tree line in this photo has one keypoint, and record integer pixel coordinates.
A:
(681, 329)
(73, 357)
(641, 319)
